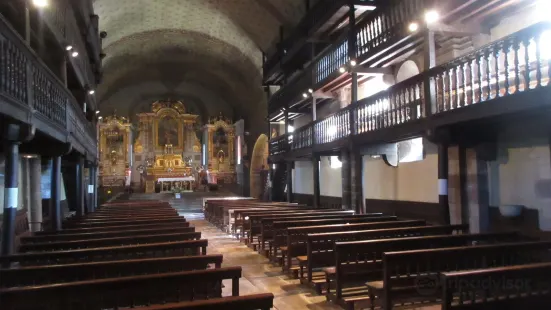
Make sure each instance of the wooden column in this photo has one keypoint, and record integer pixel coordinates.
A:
(289, 181)
(35, 209)
(11, 197)
(55, 194)
(80, 196)
(443, 181)
(346, 180)
(316, 176)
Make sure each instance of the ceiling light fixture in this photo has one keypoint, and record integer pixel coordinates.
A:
(68, 47)
(305, 95)
(91, 91)
(40, 3)
(310, 90)
(431, 17)
(97, 112)
(342, 70)
(74, 54)
(353, 63)
(413, 27)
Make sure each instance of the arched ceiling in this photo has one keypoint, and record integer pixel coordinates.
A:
(206, 51)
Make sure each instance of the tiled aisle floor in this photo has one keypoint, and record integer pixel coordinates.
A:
(259, 276)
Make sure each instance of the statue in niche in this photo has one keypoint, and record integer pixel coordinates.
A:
(220, 137)
(274, 133)
(167, 131)
(221, 157)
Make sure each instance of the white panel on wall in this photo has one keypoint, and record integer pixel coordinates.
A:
(413, 181)
(303, 178)
(330, 179)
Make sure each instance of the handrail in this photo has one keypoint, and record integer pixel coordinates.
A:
(513, 64)
(25, 79)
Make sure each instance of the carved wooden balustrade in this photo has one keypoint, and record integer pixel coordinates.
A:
(31, 93)
(384, 27)
(61, 19)
(516, 64)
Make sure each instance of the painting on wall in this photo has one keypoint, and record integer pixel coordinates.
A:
(168, 131)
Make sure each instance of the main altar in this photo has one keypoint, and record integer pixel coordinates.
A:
(160, 149)
(167, 150)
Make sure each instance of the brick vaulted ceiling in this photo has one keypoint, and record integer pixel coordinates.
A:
(205, 52)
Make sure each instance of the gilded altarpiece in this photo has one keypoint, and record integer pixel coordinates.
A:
(220, 136)
(167, 147)
(115, 150)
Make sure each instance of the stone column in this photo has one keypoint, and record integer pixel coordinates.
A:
(316, 175)
(11, 196)
(55, 194)
(35, 210)
(346, 184)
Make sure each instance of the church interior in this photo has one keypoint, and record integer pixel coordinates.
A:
(275, 154)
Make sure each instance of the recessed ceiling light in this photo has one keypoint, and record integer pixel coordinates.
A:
(69, 47)
(91, 92)
(74, 54)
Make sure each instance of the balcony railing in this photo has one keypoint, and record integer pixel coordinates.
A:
(506, 67)
(382, 28)
(25, 81)
(60, 18)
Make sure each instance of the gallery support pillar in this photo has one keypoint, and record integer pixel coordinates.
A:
(79, 169)
(443, 181)
(316, 170)
(35, 210)
(346, 184)
(289, 181)
(11, 195)
(93, 188)
(13, 135)
(55, 194)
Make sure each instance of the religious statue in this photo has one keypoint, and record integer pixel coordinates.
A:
(274, 133)
(221, 157)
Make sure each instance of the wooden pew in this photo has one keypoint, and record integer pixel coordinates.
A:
(517, 287)
(279, 227)
(165, 249)
(254, 225)
(217, 213)
(404, 270)
(50, 274)
(116, 218)
(357, 262)
(319, 246)
(225, 219)
(249, 302)
(108, 234)
(240, 217)
(122, 223)
(114, 228)
(297, 237)
(132, 291)
(106, 242)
